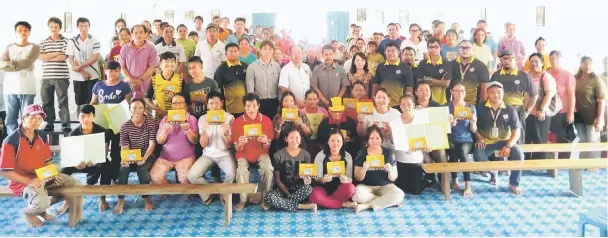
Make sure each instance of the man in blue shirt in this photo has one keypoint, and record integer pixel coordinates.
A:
(498, 129)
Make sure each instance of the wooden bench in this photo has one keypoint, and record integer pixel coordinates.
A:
(556, 148)
(77, 192)
(575, 166)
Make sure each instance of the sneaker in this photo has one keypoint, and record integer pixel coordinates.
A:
(49, 127)
(66, 128)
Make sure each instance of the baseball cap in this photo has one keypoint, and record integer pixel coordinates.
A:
(34, 109)
(211, 25)
(506, 52)
(494, 84)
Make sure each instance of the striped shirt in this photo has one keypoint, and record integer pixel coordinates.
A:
(82, 52)
(54, 69)
(138, 137)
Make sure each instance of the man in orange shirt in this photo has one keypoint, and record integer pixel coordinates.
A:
(223, 32)
(23, 151)
(252, 146)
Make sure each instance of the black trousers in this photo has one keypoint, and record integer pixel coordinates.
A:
(459, 152)
(522, 120)
(269, 107)
(111, 168)
(410, 178)
(83, 91)
(93, 173)
(537, 132)
(143, 173)
(3, 132)
(564, 132)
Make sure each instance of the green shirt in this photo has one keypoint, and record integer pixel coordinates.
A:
(588, 91)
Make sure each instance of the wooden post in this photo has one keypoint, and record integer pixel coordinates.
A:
(553, 172)
(227, 208)
(445, 186)
(576, 181)
(75, 205)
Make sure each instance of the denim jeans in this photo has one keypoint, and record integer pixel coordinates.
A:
(15, 104)
(516, 154)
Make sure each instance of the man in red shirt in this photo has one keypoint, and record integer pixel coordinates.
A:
(252, 146)
(23, 151)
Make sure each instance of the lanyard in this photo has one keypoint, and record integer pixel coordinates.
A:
(495, 116)
(463, 72)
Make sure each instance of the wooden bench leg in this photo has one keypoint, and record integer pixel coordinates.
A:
(75, 206)
(576, 181)
(553, 172)
(445, 185)
(227, 208)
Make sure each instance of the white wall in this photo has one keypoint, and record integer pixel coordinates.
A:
(574, 27)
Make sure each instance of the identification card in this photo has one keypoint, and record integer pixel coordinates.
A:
(494, 132)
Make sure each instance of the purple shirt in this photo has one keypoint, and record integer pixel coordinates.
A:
(177, 146)
(137, 62)
(516, 46)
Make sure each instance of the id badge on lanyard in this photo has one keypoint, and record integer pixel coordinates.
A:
(494, 130)
(463, 72)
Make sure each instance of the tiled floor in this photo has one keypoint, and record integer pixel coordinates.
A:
(547, 208)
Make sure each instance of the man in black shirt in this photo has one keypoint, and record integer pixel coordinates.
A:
(86, 115)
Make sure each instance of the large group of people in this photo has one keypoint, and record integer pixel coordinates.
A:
(255, 82)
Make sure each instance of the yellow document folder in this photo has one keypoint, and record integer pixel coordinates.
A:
(289, 114)
(375, 161)
(365, 107)
(350, 103)
(131, 156)
(464, 113)
(308, 170)
(418, 143)
(176, 116)
(336, 168)
(47, 172)
(216, 116)
(253, 130)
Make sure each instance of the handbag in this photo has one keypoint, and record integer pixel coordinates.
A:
(555, 105)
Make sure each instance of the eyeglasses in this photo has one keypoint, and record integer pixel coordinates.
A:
(433, 47)
(465, 47)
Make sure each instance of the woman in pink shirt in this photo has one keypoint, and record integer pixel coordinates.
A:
(538, 122)
(561, 123)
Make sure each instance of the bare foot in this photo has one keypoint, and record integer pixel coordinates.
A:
(467, 191)
(33, 220)
(516, 190)
(148, 205)
(349, 204)
(493, 179)
(103, 205)
(362, 207)
(64, 208)
(119, 206)
(455, 185)
(265, 206)
(239, 206)
(47, 216)
(164, 196)
(308, 206)
(209, 200)
(592, 170)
